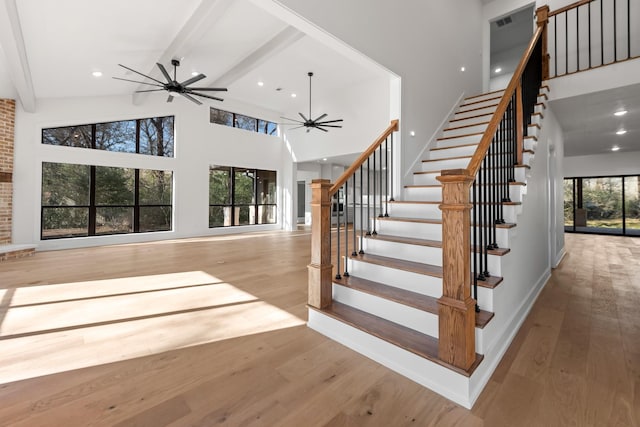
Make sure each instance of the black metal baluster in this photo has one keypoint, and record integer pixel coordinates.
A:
(479, 220)
(628, 29)
(555, 43)
(485, 222)
(474, 246)
(374, 218)
(577, 39)
(391, 173)
(589, 29)
(379, 150)
(338, 263)
(368, 197)
(386, 177)
(346, 228)
(601, 34)
(566, 43)
(615, 33)
(355, 235)
(361, 212)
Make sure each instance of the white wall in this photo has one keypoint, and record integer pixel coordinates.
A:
(619, 163)
(425, 43)
(555, 169)
(198, 144)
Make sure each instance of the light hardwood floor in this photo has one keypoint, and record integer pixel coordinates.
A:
(211, 331)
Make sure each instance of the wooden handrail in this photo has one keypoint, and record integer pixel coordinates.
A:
(485, 142)
(569, 7)
(393, 127)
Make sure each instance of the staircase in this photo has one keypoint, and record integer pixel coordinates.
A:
(387, 306)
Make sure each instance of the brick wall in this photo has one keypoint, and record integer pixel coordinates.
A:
(7, 125)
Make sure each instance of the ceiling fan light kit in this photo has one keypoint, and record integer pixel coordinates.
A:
(316, 123)
(174, 87)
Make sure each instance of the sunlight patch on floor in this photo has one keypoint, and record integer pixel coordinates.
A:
(56, 328)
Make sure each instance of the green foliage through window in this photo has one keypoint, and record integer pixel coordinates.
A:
(84, 200)
(241, 196)
(227, 118)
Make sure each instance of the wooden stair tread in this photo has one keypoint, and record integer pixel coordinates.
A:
(476, 109)
(447, 158)
(440, 185)
(495, 98)
(470, 117)
(427, 242)
(440, 171)
(490, 282)
(406, 338)
(445, 138)
(417, 202)
(401, 264)
(465, 126)
(411, 299)
(484, 94)
(475, 144)
(431, 221)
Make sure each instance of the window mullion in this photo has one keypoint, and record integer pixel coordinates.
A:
(92, 199)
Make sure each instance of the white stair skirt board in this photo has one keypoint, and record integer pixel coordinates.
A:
(421, 321)
(450, 384)
(445, 164)
(456, 151)
(459, 131)
(414, 282)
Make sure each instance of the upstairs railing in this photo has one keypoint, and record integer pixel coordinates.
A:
(592, 33)
(361, 193)
(473, 203)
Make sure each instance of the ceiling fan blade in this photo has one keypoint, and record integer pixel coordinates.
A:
(170, 98)
(321, 117)
(303, 117)
(330, 126)
(193, 79)
(143, 75)
(329, 121)
(164, 72)
(136, 81)
(207, 89)
(149, 90)
(191, 98)
(297, 127)
(319, 128)
(204, 96)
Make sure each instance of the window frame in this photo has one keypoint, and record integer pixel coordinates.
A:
(235, 121)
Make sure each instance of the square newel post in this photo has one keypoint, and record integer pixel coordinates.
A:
(542, 19)
(456, 308)
(320, 268)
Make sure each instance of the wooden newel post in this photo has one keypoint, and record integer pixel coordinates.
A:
(456, 308)
(320, 268)
(542, 19)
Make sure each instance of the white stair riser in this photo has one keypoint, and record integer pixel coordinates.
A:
(465, 130)
(536, 119)
(414, 282)
(541, 99)
(471, 113)
(421, 321)
(461, 140)
(426, 179)
(423, 193)
(467, 150)
(478, 103)
(530, 143)
(415, 253)
(539, 108)
(415, 210)
(485, 96)
(470, 121)
(446, 164)
(485, 298)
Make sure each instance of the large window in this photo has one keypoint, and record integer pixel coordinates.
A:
(241, 121)
(605, 205)
(83, 200)
(241, 196)
(152, 136)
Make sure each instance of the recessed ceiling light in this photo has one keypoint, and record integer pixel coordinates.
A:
(412, 133)
(462, 69)
(615, 148)
(620, 113)
(97, 74)
(324, 159)
(293, 95)
(621, 132)
(260, 84)
(497, 70)
(194, 73)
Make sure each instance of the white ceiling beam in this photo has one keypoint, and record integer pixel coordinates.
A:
(205, 15)
(12, 43)
(277, 43)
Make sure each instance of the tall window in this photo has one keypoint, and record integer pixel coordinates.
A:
(241, 196)
(241, 121)
(84, 200)
(608, 205)
(153, 136)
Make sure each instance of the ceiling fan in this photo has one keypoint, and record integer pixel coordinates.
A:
(173, 86)
(314, 123)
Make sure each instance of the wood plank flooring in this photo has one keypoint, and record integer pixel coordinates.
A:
(210, 331)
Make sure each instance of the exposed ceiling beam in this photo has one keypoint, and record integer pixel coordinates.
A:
(12, 43)
(205, 15)
(280, 41)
